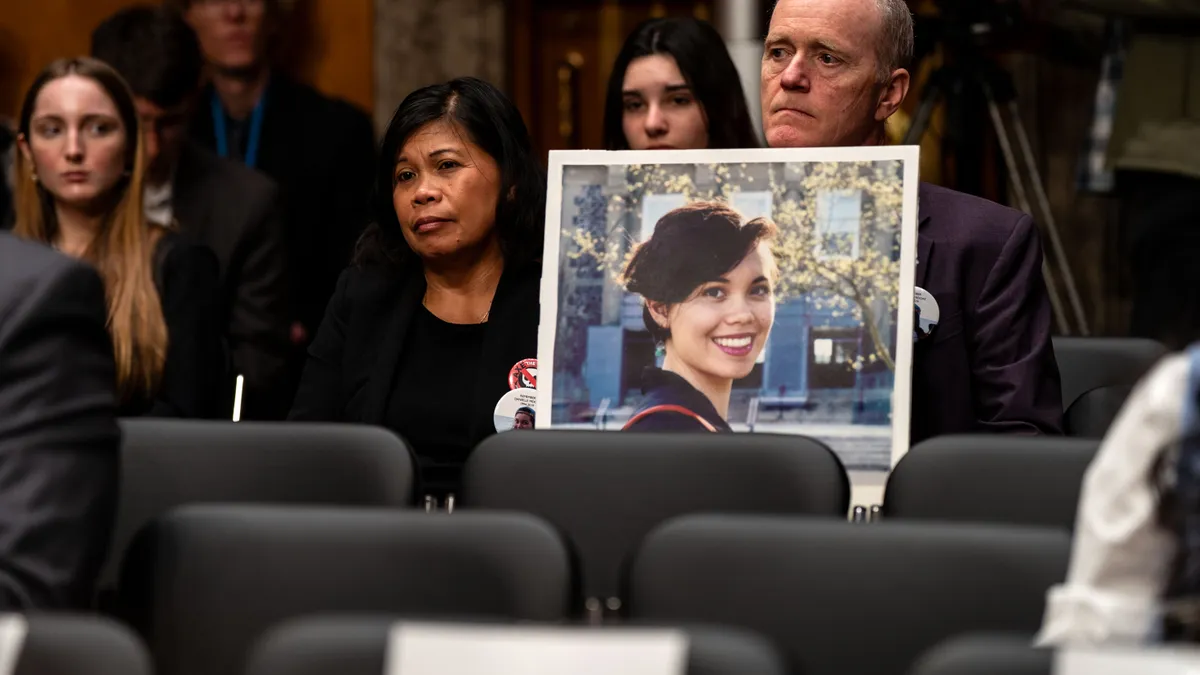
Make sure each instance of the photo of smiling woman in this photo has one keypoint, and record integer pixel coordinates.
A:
(707, 279)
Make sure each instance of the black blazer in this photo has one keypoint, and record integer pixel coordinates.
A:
(353, 360)
(234, 211)
(320, 151)
(989, 367)
(59, 439)
(197, 364)
(664, 388)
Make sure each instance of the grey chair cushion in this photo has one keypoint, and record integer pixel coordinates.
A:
(212, 579)
(358, 646)
(169, 463)
(844, 598)
(1014, 480)
(1086, 363)
(80, 645)
(986, 655)
(607, 490)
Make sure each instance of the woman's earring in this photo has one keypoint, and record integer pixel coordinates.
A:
(34, 176)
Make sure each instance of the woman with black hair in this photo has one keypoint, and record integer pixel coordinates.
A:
(674, 86)
(708, 281)
(442, 299)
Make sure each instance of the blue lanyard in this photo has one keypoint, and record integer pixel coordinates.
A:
(256, 121)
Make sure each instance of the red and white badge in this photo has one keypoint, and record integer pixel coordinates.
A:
(523, 375)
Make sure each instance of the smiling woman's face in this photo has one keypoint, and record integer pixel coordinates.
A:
(719, 332)
(445, 192)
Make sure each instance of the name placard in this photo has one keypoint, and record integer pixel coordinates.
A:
(453, 649)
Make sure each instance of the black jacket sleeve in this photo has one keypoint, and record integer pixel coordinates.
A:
(319, 397)
(197, 363)
(59, 440)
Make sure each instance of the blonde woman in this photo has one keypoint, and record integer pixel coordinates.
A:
(79, 189)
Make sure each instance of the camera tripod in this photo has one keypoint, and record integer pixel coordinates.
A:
(998, 89)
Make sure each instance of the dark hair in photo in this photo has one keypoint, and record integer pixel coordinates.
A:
(525, 410)
(704, 61)
(491, 121)
(154, 49)
(691, 246)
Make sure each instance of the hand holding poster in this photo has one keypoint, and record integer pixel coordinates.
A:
(732, 290)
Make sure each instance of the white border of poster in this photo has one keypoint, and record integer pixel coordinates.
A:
(907, 155)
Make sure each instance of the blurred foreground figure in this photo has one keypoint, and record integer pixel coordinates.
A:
(1135, 565)
(59, 439)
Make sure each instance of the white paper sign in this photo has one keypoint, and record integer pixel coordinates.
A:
(453, 649)
(1127, 661)
(13, 628)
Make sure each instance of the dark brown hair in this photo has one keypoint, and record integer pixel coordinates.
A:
(122, 249)
(691, 246)
(703, 60)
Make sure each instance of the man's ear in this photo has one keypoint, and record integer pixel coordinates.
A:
(895, 90)
(658, 312)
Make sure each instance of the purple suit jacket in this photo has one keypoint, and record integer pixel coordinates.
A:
(989, 367)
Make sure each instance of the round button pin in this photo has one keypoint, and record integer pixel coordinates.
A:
(925, 314)
(516, 410)
(523, 375)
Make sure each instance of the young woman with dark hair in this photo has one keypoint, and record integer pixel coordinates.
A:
(442, 299)
(674, 86)
(80, 177)
(708, 281)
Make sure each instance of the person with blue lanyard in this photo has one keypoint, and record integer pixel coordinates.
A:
(319, 150)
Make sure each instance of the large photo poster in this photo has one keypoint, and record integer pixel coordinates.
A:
(752, 291)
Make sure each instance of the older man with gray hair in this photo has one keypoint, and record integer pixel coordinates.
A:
(833, 72)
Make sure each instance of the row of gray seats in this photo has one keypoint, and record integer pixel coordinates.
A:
(832, 596)
(604, 494)
(347, 645)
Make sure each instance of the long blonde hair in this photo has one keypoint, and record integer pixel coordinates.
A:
(122, 249)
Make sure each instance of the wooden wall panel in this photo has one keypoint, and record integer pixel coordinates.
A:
(328, 43)
(33, 34)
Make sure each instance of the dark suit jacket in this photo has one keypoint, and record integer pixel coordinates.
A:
(234, 211)
(661, 387)
(59, 440)
(353, 361)
(197, 365)
(321, 153)
(989, 366)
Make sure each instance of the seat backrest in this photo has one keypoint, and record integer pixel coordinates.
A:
(1087, 363)
(1094, 411)
(844, 598)
(80, 645)
(359, 646)
(212, 578)
(606, 490)
(169, 463)
(991, 654)
(986, 655)
(1014, 480)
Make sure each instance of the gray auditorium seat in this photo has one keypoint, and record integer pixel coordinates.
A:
(211, 579)
(1014, 480)
(358, 646)
(1094, 411)
(168, 463)
(1087, 363)
(606, 490)
(986, 655)
(80, 645)
(840, 597)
